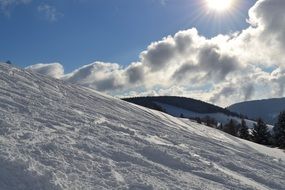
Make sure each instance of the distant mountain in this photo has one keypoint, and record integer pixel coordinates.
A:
(267, 109)
(186, 107)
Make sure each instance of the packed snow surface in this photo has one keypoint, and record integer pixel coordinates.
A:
(60, 136)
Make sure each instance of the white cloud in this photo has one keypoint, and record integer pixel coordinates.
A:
(54, 70)
(223, 70)
(50, 12)
(100, 76)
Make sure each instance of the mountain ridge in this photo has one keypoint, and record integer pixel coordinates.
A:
(184, 102)
(185, 107)
(267, 109)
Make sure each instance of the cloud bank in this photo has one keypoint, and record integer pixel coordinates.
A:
(248, 64)
(54, 70)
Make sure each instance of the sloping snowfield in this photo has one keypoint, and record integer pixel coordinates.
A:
(59, 136)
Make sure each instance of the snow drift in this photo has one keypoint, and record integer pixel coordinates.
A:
(55, 135)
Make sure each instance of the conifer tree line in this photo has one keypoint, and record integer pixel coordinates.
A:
(279, 131)
(260, 132)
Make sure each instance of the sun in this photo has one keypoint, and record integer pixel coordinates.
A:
(219, 5)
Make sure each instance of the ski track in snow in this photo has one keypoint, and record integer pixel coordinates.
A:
(55, 135)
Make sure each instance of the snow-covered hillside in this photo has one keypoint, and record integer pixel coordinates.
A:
(190, 108)
(219, 117)
(268, 109)
(60, 136)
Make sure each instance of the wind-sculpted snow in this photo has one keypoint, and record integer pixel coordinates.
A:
(60, 136)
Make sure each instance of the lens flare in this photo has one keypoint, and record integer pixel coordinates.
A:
(219, 5)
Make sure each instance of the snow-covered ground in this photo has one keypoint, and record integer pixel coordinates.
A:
(60, 136)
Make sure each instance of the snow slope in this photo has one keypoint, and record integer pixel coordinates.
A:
(268, 109)
(55, 135)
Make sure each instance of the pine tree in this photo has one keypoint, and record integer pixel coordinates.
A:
(221, 126)
(260, 133)
(243, 130)
(230, 128)
(279, 130)
(198, 119)
(9, 62)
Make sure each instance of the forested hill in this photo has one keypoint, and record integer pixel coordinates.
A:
(154, 102)
(267, 109)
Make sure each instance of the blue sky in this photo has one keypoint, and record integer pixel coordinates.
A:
(78, 32)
